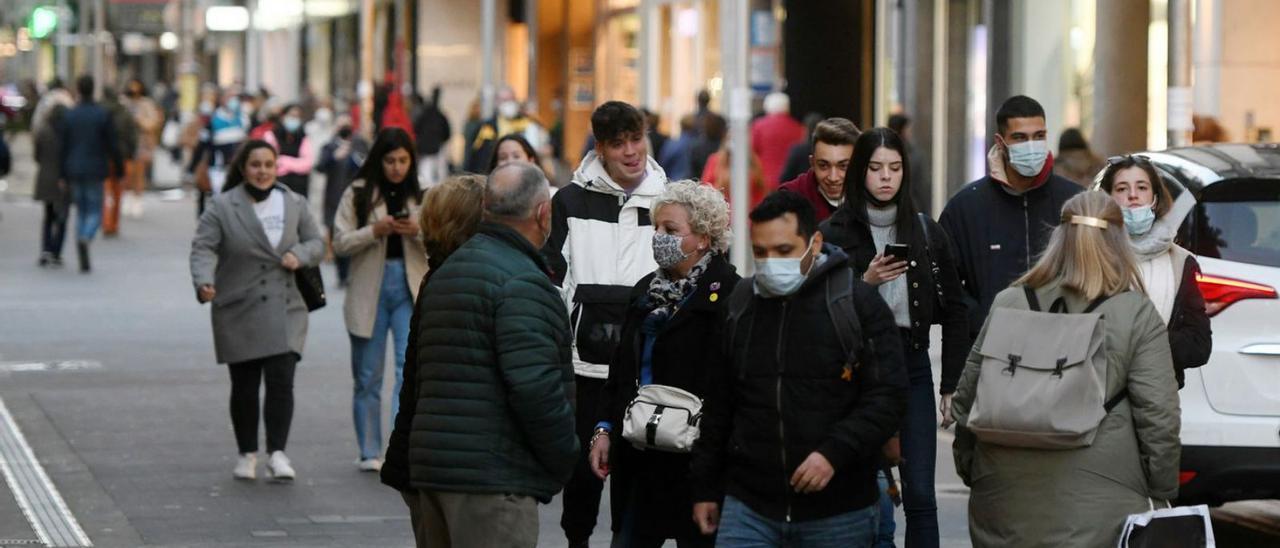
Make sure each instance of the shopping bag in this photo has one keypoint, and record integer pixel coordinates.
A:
(1180, 527)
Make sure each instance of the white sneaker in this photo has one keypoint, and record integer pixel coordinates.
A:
(370, 465)
(246, 466)
(279, 468)
(135, 209)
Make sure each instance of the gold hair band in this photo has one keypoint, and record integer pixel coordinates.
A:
(1089, 221)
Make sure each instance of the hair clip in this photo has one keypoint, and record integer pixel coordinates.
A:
(1089, 221)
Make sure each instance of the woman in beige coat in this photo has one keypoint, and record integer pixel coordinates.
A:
(1081, 497)
(376, 226)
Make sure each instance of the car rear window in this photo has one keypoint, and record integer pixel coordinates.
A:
(1239, 220)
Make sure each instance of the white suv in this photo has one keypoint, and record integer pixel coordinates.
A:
(1231, 405)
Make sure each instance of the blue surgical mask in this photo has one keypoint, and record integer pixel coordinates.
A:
(233, 104)
(780, 277)
(1138, 220)
(1028, 158)
(291, 124)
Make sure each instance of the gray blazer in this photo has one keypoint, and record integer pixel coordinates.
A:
(258, 311)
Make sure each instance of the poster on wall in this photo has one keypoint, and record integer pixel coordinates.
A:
(582, 72)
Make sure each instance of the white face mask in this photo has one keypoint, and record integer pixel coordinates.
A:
(509, 109)
(780, 277)
(1028, 158)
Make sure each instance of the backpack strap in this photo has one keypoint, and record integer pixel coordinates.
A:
(1032, 300)
(1115, 400)
(1096, 303)
(843, 315)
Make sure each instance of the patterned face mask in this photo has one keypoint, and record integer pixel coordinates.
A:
(666, 250)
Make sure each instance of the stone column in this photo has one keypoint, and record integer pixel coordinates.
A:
(1120, 78)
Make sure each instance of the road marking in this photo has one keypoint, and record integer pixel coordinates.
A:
(59, 365)
(35, 494)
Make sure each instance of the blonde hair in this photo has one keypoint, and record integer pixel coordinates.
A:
(451, 213)
(1089, 260)
(708, 210)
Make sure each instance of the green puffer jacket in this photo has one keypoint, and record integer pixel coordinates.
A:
(1079, 497)
(495, 374)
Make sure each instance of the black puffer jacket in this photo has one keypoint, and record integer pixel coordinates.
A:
(998, 235)
(932, 285)
(784, 392)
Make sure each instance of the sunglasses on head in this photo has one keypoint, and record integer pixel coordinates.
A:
(1127, 158)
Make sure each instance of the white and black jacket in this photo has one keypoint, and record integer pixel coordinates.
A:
(601, 244)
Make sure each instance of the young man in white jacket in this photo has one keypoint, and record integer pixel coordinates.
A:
(600, 246)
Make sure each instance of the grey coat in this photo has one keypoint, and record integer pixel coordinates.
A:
(1079, 497)
(258, 311)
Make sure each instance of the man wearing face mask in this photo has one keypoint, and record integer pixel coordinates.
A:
(823, 183)
(493, 434)
(811, 387)
(510, 118)
(599, 248)
(339, 160)
(1000, 223)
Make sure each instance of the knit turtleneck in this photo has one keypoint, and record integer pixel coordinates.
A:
(882, 216)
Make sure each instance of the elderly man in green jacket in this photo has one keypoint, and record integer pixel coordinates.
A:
(493, 432)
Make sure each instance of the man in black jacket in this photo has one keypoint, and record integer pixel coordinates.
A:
(1000, 223)
(792, 435)
(90, 153)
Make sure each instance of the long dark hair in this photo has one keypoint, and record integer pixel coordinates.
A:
(520, 140)
(856, 195)
(235, 173)
(389, 140)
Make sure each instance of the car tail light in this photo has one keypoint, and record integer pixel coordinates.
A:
(1220, 292)
(1185, 477)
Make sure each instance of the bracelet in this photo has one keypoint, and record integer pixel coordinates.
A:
(599, 432)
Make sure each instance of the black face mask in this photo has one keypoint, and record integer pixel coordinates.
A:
(256, 193)
(344, 133)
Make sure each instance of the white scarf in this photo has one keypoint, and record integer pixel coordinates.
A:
(1161, 280)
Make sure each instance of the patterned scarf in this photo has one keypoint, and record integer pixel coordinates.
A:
(666, 294)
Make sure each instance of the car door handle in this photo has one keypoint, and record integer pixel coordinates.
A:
(1263, 349)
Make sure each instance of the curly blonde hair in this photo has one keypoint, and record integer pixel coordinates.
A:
(708, 211)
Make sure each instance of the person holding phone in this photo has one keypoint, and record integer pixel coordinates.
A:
(375, 227)
(907, 257)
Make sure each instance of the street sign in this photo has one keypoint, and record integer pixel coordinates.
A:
(144, 16)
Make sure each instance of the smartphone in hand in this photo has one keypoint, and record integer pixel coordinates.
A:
(900, 252)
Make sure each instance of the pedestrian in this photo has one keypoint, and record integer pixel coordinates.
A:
(90, 149)
(672, 333)
(56, 93)
(114, 186)
(339, 160)
(149, 119)
(1075, 161)
(676, 157)
(251, 240)
(811, 387)
(657, 139)
(1169, 272)
(431, 127)
(492, 432)
(713, 130)
(701, 114)
(509, 118)
(599, 248)
(921, 287)
(798, 157)
(773, 135)
(451, 213)
(51, 188)
(719, 170)
(1001, 222)
(228, 127)
(377, 228)
(1079, 495)
(296, 155)
(823, 183)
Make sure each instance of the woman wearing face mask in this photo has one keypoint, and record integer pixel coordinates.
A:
(670, 337)
(251, 239)
(1168, 271)
(921, 287)
(376, 226)
(220, 138)
(296, 155)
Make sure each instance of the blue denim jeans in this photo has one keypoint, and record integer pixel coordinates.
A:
(87, 195)
(919, 437)
(742, 527)
(395, 306)
(884, 535)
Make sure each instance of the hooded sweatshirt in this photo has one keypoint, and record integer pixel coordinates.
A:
(600, 246)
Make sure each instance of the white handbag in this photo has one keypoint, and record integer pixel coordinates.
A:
(662, 418)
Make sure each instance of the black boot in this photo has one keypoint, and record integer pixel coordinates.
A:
(82, 248)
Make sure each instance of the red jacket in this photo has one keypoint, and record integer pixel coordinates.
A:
(772, 137)
(807, 185)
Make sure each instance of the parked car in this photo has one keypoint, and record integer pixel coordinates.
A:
(1231, 405)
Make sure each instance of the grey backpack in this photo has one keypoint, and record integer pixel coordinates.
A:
(1043, 379)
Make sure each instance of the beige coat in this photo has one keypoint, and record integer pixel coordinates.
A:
(368, 258)
(1080, 497)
